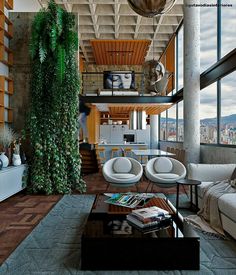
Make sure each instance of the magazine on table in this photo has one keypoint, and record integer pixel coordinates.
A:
(129, 200)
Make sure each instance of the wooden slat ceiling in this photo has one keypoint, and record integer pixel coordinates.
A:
(120, 52)
(117, 110)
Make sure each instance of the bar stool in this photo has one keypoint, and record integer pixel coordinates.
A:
(101, 155)
(128, 152)
(115, 152)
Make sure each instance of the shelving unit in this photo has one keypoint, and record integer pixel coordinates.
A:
(6, 27)
(6, 55)
(6, 3)
(9, 4)
(6, 60)
(105, 117)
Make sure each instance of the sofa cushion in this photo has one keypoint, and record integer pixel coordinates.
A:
(122, 165)
(227, 205)
(123, 176)
(163, 165)
(233, 176)
(210, 172)
(166, 175)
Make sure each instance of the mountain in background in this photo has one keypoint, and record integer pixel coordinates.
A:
(231, 119)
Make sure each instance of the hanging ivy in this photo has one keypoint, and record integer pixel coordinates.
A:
(52, 123)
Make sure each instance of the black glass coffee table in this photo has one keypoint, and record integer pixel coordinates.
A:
(110, 243)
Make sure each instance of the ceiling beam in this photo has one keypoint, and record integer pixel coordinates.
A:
(154, 35)
(139, 18)
(81, 43)
(68, 6)
(43, 4)
(92, 8)
(117, 18)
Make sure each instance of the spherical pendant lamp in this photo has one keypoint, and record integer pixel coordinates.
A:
(151, 8)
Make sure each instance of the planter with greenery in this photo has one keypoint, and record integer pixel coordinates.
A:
(52, 125)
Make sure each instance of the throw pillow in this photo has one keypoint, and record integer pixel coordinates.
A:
(163, 165)
(233, 176)
(122, 165)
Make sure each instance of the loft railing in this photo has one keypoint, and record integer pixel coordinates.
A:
(118, 83)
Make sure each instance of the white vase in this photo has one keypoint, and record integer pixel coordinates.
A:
(16, 160)
(4, 159)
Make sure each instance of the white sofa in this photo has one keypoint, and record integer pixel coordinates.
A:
(208, 173)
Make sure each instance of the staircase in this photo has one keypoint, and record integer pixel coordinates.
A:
(89, 159)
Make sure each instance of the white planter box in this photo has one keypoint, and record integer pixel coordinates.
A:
(11, 180)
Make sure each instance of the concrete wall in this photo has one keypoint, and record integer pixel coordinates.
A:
(208, 153)
(217, 154)
(20, 71)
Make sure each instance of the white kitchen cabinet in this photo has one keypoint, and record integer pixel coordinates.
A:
(117, 132)
(11, 180)
(112, 133)
(105, 133)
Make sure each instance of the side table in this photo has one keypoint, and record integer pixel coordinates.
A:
(191, 183)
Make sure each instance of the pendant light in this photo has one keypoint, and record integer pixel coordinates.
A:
(151, 8)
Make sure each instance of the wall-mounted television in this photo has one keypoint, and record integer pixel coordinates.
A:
(119, 80)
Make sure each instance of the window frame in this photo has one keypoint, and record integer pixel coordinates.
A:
(208, 77)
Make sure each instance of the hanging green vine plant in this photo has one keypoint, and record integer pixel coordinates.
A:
(52, 124)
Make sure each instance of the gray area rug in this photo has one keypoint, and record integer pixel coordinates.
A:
(53, 247)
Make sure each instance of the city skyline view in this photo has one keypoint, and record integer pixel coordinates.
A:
(208, 130)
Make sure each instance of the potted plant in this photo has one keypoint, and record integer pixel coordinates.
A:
(7, 135)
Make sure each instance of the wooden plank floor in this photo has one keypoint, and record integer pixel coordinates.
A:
(21, 213)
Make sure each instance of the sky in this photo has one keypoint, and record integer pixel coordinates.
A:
(208, 56)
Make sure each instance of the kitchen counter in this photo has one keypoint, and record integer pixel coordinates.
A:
(122, 144)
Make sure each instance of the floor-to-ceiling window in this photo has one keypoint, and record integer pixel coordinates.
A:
(163, 128)
(228, 28)
(208, 114)
(180, 58)
(228, 109)
(180, 127)
(208, 36)
(171, 124)
(218, 99)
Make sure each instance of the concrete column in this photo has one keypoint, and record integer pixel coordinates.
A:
(191, 81)
(154, 131)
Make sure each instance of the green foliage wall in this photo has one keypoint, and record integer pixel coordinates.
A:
(52, 124)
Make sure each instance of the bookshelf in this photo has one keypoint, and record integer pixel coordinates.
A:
(6, 61)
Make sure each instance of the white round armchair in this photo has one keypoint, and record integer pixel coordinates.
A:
(122, 171)
(164, 171)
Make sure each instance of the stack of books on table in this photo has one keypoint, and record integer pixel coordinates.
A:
(149, 219)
